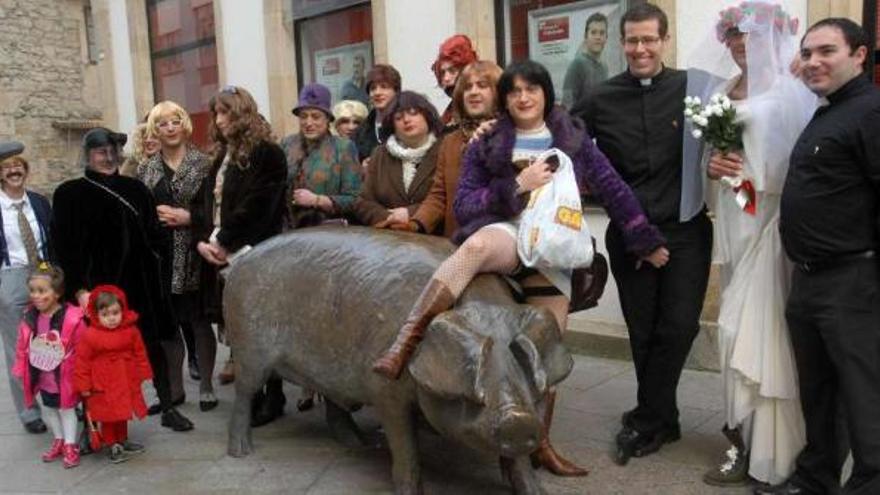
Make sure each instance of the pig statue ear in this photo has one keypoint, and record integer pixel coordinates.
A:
(540, 348)
(451, 360)
(529, 358)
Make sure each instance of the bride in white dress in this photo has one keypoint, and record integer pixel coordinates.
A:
(763, 414)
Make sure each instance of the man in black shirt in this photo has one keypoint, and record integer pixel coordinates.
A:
(828, 222)
(636, 118)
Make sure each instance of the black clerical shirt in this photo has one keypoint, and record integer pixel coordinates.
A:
(830, 199)
(638, 125)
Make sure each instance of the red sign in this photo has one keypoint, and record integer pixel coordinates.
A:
(331, 66)
(554, 29)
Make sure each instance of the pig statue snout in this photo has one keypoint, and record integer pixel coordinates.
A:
(518, 432)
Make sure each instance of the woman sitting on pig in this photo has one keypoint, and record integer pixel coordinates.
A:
(499, 172)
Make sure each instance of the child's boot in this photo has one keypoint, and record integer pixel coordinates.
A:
(118, 454)
(71, 455)
(55, 451)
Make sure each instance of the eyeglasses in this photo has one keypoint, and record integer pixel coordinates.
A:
(167, 124)
(646, 41)
(230, 90)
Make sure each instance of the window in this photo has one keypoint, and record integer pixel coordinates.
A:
(183, 54)
(91, 39)
(556, 33)
(336, 48)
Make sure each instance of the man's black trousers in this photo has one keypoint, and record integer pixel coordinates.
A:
(662, 312)
(833, 315)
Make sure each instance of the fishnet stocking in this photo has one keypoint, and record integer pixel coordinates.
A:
(489, 250)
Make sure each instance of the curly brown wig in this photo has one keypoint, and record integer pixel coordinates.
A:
(248, 127)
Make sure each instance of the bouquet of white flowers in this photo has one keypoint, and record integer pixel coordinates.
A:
(715, 123)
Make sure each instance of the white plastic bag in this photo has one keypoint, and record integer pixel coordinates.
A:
(553, 232)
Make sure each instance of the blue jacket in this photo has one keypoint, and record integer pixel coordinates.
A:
(43, 212)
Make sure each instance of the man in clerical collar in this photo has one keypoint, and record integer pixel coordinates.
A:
(24, 242)
(636, 118)
(829, 227)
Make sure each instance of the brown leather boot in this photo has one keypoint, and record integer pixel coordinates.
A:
(434, 299)
(546, 456)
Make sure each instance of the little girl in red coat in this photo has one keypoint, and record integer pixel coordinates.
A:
(110, 367)
(45, 357)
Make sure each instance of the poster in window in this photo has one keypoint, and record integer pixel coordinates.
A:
(343, 70)
(571, 41)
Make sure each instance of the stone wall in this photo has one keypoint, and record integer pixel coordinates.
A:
(43, 85)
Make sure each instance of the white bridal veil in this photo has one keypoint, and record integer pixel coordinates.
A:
(779, 103)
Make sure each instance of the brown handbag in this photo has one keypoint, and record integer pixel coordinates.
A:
(588, 284)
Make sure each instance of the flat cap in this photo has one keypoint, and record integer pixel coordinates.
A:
(10, 148)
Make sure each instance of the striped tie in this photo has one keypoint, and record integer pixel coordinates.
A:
(27, 235)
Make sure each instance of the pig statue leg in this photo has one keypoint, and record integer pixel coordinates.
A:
(522, 478)
(399, 424)
(247, 384)
(342, 426)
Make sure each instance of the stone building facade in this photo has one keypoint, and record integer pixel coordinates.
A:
(49, 89)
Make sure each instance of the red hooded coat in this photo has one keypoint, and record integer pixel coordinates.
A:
(111, 364)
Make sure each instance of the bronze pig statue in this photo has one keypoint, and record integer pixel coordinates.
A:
(319, 305)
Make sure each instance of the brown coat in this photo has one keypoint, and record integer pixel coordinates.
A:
(383, 185)
(437, 205)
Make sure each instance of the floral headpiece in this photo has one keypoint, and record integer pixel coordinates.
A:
(755, 13)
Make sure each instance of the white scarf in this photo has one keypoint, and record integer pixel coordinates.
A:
(409, 157)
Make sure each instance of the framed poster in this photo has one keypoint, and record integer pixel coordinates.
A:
(336, 50)
(342, 69)
(577, 55)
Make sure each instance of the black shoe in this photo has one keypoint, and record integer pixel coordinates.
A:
(133, 448)
(269, 409)
(194, 369)
(656, 441)
(789, 487)
(627, 441)
(156, 408)
(171, 418)
(624, 419)
(207, 401)
(36, 426)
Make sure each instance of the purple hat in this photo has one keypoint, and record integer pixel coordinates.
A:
(314, 96)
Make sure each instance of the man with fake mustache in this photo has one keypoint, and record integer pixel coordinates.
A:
(24, 241)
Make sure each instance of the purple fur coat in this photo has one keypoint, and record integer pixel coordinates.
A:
(487, 187)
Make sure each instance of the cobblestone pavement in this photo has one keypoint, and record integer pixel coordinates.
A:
(297, 455)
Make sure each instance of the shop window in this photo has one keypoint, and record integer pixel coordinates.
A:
(335, 46)
(183, 54)
(556, 34)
